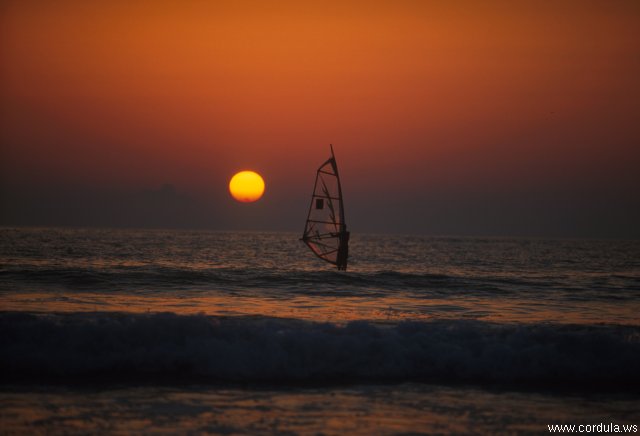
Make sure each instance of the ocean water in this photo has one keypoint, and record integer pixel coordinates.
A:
(137, 331)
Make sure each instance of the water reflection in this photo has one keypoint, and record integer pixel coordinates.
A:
(333, 309)
(358, 410)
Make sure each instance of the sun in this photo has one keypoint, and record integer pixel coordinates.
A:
(246, 186)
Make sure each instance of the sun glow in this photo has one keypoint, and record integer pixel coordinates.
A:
(246, 186)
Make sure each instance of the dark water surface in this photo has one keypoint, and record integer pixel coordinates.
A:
(248, 332)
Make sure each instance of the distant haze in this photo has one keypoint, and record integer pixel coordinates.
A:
(447, 117)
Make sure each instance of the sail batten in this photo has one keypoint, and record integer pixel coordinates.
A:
(321, 222)
(325, 231)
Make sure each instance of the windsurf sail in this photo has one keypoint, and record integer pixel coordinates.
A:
(325, 231)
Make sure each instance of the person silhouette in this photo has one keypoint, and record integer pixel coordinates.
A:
(343, 249)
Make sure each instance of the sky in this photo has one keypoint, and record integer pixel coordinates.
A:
(447, 117)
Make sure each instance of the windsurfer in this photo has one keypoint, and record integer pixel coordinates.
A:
(325, 231)
(343, 250)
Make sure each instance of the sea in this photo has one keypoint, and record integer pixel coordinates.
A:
(117, 331)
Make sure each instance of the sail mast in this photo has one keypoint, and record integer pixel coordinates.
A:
(343, 225)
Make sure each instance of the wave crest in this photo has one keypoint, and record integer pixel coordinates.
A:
(167, 347)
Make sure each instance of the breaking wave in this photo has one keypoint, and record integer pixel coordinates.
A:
(167, 347)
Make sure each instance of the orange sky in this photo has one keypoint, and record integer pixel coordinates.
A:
(424, 101)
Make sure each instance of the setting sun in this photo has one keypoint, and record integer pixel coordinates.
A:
(246, 186)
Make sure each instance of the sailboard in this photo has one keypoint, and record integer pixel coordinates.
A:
(325, 231)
